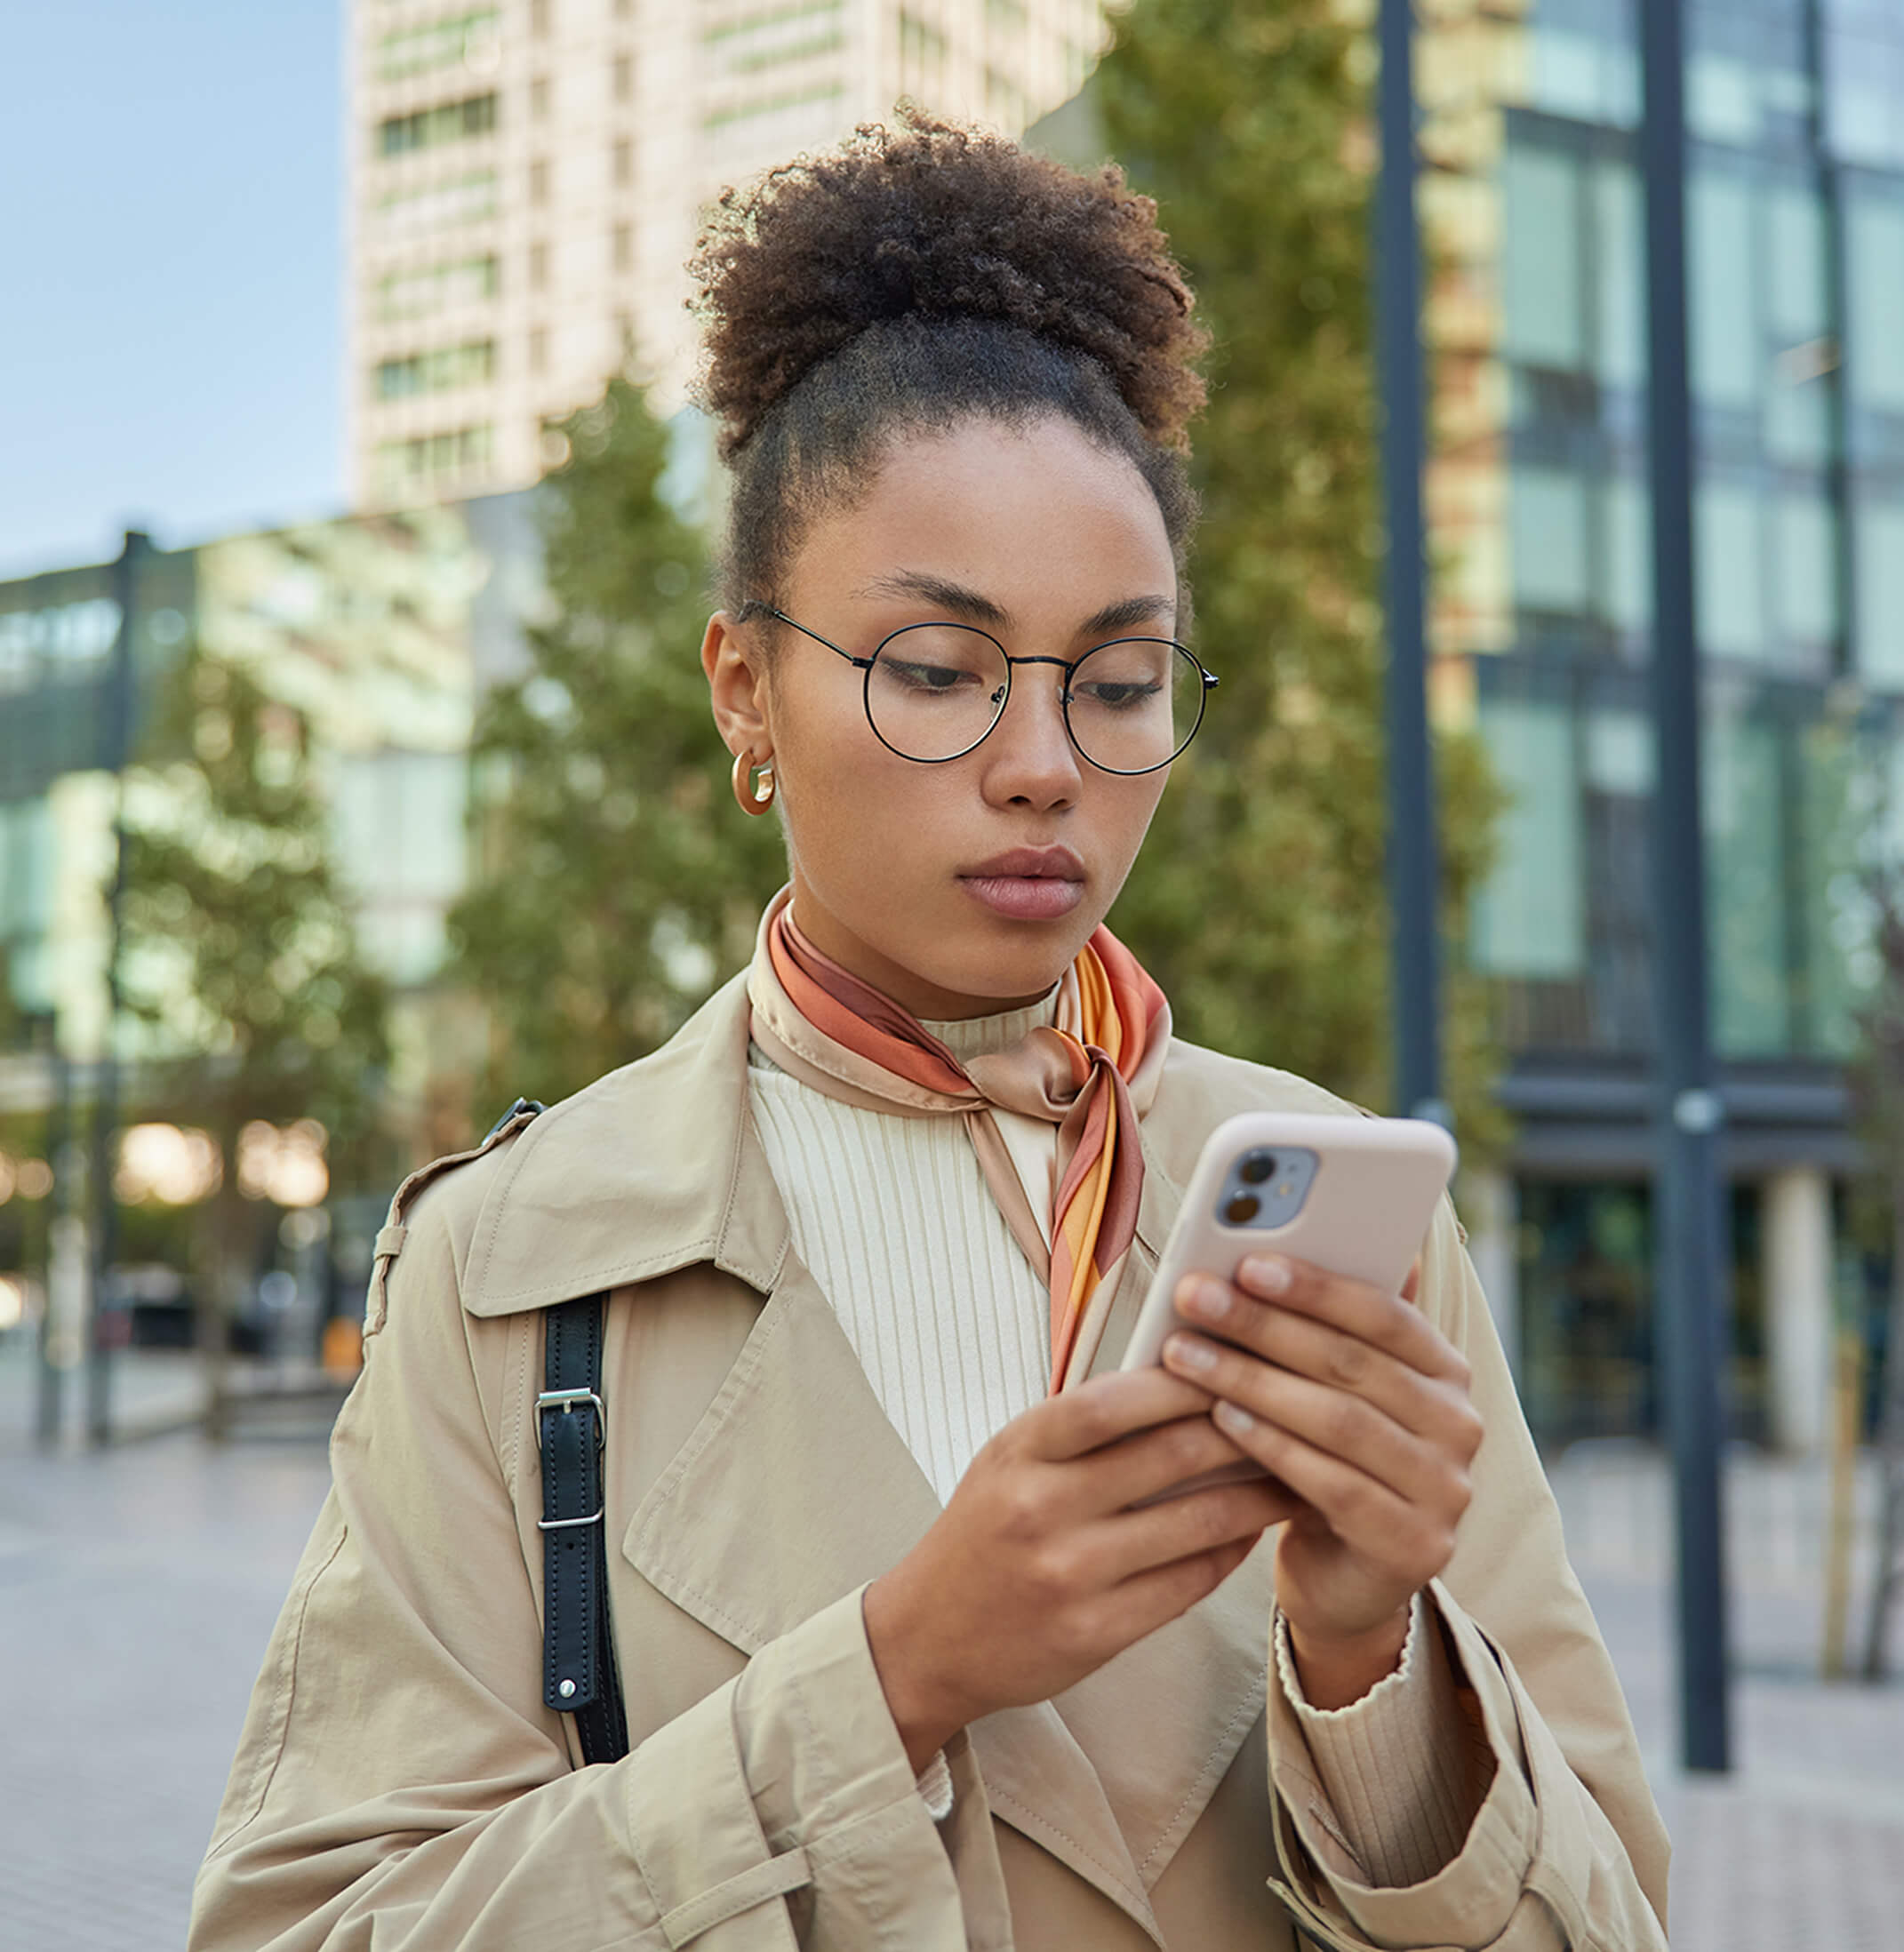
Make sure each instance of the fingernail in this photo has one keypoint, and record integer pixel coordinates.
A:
(1185, 1353)
(1232, 1418)
(1270, 1273)
(1207, 1298)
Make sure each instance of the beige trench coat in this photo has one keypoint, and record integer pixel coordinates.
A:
(400, 1784)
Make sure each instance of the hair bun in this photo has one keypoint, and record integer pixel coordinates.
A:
(932, 220)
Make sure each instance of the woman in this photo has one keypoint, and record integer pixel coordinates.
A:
(908, 1659)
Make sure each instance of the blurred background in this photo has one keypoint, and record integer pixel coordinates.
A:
(355, 774)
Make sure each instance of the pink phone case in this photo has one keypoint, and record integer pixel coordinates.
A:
(1365, 1214)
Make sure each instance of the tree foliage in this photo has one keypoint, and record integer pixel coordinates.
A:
(1258, 902)
(241, 950)
(615, 882)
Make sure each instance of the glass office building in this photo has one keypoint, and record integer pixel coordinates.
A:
(382, 630)
(1796, 248)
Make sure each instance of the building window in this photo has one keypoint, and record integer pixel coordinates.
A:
(1542, 273)
(1880, 558)
(465, 199)
(539, 348)
(441, 370)
(538, 267)
(1728, 334)
(1548, 539)
(538, 181)
(921, 43)
(1874, 258)
(1529, 917)
(624, 248)
(436, 288)
(771, 105)
(624, 162)
(538, 11)
(468, 40)
(539, 98)
(430, 128)
(430, 460)
(624, 78)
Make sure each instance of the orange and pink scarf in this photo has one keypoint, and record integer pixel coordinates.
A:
(1093, 1074)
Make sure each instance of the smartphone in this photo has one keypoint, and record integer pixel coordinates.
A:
(1356, 1195)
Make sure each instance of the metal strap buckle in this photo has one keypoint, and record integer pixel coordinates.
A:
(565, 1401)
(559, 1524)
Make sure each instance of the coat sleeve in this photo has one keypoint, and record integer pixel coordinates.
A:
(1566, 1853)
(399, 1784)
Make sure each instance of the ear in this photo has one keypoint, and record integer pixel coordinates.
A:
(737, 687)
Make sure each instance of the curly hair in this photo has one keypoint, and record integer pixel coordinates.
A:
(917, 275)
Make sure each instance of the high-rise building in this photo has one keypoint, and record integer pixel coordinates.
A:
(526, 179)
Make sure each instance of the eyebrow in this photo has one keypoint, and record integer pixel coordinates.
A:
(973, 606)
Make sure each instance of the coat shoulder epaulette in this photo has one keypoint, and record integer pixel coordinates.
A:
(390, 1236)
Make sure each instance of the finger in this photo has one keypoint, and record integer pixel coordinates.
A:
(1385, 1320)
(1410, 1542)
(1338, 1421)
(1150, 1599)
(1151, 1462)
(1202, 1521)
(1106, 1408)
(1431, 1407)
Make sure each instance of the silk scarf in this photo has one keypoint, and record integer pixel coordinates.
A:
(1092, 1074)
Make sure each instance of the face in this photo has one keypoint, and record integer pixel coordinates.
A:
(967, 887)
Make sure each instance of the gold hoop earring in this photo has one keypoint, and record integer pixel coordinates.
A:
(752, 797)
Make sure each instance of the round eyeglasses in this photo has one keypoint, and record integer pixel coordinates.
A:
(934, 691)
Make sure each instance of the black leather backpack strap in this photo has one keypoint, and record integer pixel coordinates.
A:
(579, 1675)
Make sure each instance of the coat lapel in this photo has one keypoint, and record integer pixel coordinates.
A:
(1202, 1679)
(793, 1490)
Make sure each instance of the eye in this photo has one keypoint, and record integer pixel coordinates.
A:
(1116, 695)
(916, 676)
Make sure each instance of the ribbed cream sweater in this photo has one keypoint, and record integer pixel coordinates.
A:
(893, 1217)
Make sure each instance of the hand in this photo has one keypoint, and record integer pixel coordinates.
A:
(1037, 1571)
(1357, 1403)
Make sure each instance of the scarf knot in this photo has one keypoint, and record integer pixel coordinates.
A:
(1092, 1074)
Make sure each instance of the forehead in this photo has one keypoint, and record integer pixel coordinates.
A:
(1037, 517)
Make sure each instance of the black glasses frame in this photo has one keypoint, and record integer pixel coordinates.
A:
(865, 665)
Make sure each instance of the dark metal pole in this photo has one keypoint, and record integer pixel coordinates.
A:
(1690, 1279)
(115, 741)
(49, 1408)
(1411, 872)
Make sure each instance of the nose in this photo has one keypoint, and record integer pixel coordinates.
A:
(1030, 758)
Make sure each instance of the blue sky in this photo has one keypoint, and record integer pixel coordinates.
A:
(172, 296)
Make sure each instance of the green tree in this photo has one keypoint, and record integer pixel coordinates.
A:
(241, 956)
(615, 882)
(1260, 901)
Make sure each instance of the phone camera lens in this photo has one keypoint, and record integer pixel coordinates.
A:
(1256, 1167)
(1242, 1208)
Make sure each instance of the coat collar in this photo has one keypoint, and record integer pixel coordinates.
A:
(638, 1175)
(793, 1488)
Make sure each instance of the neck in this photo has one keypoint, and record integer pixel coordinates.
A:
(911, 991)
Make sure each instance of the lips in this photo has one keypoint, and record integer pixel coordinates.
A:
(1027, 883)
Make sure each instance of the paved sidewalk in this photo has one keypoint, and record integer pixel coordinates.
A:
(138, 1586)
(1801, 1847)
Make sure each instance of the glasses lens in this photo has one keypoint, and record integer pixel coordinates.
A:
(935, 690)
(1135, 703)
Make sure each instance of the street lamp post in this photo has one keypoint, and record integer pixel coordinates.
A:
(115, 741)
(1411, 868)
(1690, 1270)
